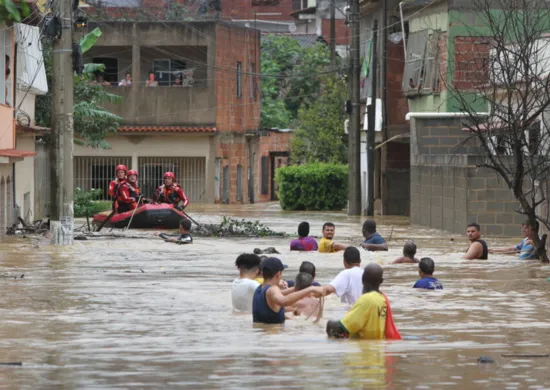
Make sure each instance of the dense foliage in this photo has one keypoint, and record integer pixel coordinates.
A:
(86, 203)
(92, 123)
(10, 11)
(291, 78)
(319, 133)
(315, 186)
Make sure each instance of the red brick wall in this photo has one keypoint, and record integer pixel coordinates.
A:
(236, 44)
(273, 142)
(470, 65)
(397, 104)
(247, 9)
(342, 37)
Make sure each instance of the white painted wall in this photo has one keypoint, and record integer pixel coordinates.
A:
(24, 178)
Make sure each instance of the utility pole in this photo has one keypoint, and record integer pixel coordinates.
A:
(61, 213)
(384, 98)
(333, 34)
(371, 116)
(354, 141)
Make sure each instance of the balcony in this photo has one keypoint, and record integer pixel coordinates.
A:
(165, 105)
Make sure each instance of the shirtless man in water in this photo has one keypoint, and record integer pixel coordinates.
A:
(478, 248)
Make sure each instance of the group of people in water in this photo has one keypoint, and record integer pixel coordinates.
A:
(261, 290)
(126, 194)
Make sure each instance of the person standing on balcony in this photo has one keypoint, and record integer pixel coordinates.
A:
(151, 82)
(172, 193)
(126, 81)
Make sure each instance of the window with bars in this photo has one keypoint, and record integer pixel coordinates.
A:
(239, 79)
(97, 172)
(252, 78)
(421, 72)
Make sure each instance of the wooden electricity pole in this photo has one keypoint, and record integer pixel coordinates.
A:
(61, 212)
(354, 140)
(332, 34)
(371, 117)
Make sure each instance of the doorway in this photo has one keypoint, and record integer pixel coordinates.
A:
(111, 68)
(277, 160)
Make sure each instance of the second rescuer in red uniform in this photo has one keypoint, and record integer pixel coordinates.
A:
(129, 193)
(170, 192)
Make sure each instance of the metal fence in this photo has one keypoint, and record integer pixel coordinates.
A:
(97, 172)
(190, 174)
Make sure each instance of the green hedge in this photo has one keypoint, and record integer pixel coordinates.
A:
(85, 203)
(314, 186)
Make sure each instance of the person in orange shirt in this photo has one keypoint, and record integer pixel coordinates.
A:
(171, 192)
(129, 193)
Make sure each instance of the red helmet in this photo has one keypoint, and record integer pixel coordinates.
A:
(169, 174)
(132, 172)
(121, 168)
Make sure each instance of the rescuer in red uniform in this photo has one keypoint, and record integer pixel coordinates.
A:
(170, 192)
(120, 178)
(129, 193)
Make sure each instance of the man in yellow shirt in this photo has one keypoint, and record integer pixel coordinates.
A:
(327, 245)
(367, 317)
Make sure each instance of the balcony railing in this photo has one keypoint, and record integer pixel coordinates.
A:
(165, 105)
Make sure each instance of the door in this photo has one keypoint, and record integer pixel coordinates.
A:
(226, 184)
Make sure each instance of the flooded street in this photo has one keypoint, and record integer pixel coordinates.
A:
(137, 313)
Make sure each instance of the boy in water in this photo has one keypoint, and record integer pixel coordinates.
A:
(268, 304)
(243, 288)
(308, 268)
(303, 242)
(184, 238)
(409, 250)
(308, 306)
(426, 269)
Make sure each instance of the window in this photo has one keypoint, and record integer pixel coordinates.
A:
(421, 73)
(299, 4)
(252, 79)
(6, 65)
(239, 182)
(239, 79)
(110, 73)
(167, 71)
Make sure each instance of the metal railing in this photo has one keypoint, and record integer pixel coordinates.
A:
(190, 174)
(97, 172)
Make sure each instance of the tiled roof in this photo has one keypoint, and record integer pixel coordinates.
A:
(170, 129)
(16, 153)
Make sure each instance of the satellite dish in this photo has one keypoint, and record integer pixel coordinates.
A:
(292, 27)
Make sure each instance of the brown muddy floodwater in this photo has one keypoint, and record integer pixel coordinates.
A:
(136, 313)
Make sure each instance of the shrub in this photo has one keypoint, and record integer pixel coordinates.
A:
(85, 203)
(315, 186)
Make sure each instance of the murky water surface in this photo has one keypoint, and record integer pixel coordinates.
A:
(136, 313)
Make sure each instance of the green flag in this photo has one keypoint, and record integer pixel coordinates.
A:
(366, 60)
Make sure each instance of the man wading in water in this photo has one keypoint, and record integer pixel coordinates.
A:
(370, 317)
(268, 304)
(478, 248)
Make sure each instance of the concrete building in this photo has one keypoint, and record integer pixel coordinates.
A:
(392, 161)
(206, 131)
(25, 78)
(448, 189)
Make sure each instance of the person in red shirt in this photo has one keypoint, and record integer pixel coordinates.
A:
(120, 178)
(170, 192)
(129, 193)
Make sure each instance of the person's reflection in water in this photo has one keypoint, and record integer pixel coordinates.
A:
(370, 367)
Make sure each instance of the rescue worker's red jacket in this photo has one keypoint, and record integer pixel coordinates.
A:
(128, 195)
(171, 195)
(113, 187)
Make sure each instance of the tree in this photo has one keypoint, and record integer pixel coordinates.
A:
(509, 77)
(92, 123)
(9, 11)
(319, 133)
(291, 78)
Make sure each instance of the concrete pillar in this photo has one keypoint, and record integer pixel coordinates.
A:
(136, 58)
(210, 179)
(135, 164)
